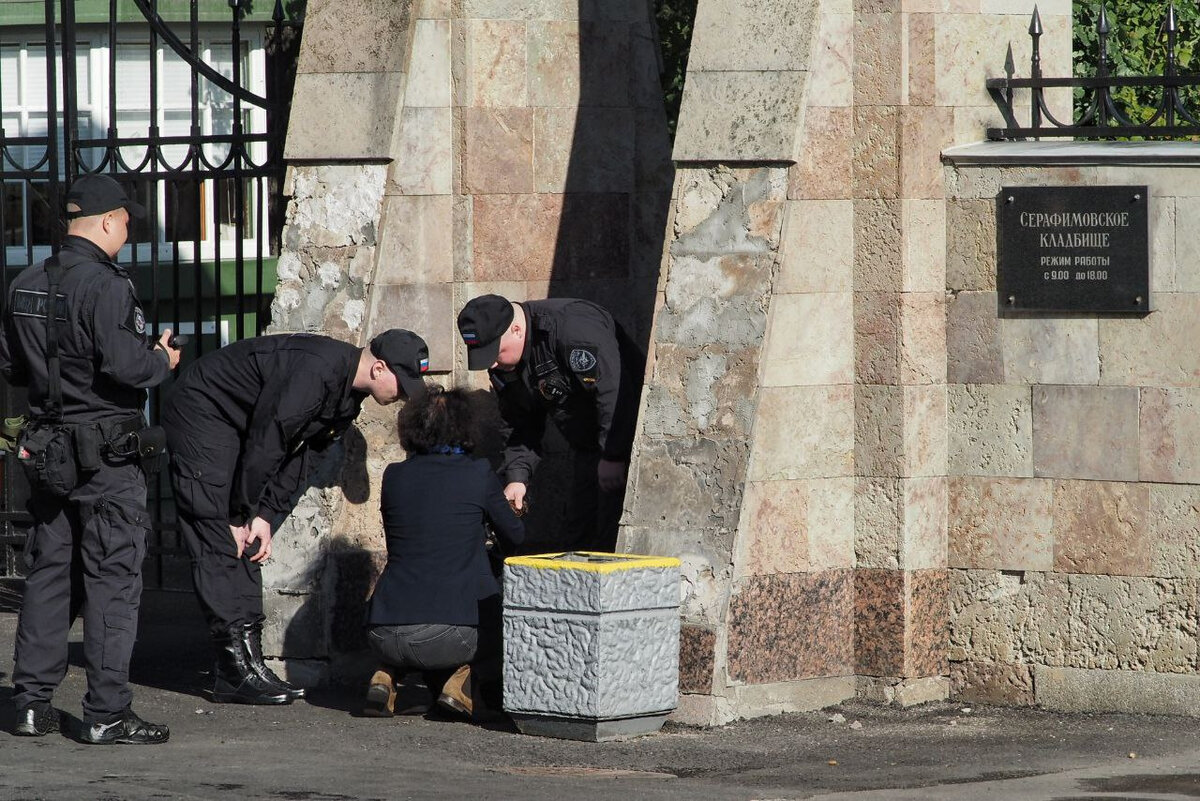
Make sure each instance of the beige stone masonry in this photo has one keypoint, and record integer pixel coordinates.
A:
(1186, 263)
(901, 523)
(422, 151)
(1009, 618)
(925, 246)
(493, 68)
(762, 131)
(1100, 527)
(810, 340)
(1001, 524)
(818, 247)
(974, 354)
(822, 448)
(359, 89)
(990, 430)
(823, 165)
(1156, 350)
(971, 244)
(1050, 351)
(429, 83)
(900, 430)
(1170, 435)
(1085, 432)
(796, 526)
(722, 29)
(1077, 689)
(830, 81)
(1174, 530)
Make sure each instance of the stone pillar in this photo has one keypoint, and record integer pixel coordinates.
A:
(744, 465)
(793, 436)
(899, 344)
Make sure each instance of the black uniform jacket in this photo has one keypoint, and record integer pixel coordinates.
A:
(106, 359)
(242, 419)
(434, 509)
(581, 370)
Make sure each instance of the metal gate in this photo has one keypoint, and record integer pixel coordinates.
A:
(185, 103)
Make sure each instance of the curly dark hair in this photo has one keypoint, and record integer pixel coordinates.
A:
(440, 421)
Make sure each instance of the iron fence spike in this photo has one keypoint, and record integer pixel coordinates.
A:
(1035, 24)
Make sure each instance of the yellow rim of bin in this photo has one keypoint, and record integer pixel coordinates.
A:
(623, 561)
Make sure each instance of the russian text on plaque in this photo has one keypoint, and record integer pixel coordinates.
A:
(1073, 248)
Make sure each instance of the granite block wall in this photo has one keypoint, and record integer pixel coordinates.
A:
(1072, 514)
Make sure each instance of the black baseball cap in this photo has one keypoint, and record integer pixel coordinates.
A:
(92, 194)
(406, 355)
(481, 323)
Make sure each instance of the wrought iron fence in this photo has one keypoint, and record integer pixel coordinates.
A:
(1102, 115)
(184, 102)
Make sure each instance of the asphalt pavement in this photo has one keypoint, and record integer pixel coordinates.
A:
(322, 749)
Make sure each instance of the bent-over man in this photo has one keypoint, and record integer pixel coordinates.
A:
(567, 360)
(240, 424)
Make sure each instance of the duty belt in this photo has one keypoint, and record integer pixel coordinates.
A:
(114, 431)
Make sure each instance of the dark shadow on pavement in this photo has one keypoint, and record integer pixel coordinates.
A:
(8, 715)
(172, 650)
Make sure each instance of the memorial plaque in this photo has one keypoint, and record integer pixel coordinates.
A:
(1073, 248)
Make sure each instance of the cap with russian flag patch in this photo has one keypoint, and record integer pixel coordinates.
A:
(406, 355)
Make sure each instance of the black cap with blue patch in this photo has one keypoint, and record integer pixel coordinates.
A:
(482, 323)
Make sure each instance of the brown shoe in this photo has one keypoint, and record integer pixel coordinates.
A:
(456, 693)
(381, 694)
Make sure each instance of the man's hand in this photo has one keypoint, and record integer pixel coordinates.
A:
(515, 493)
(239, 534)
(173, 354)
(610, 475)
(260, 531)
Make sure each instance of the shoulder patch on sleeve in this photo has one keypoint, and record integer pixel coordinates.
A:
(582, 359)
(136, 321)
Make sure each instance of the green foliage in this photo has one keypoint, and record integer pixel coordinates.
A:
(675, 19)
(1137, 45)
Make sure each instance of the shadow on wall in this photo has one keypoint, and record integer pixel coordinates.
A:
(618, 183)
(322, 607)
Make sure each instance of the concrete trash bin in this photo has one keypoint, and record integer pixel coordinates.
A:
(591, 643)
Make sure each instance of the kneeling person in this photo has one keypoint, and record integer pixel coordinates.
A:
(437, 605)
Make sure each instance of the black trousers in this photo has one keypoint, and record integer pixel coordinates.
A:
(593, 516)
(204, 457)
(84, 553)
(229, 588)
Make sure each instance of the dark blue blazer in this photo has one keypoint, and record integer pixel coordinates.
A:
(434, 509)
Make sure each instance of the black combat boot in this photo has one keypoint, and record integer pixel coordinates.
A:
(234, 679)
(252, 641)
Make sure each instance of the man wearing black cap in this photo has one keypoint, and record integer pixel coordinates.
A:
(240, 423)
(75, 335)
(568, 360)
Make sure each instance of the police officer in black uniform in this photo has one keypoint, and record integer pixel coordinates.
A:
(85, 549)
(568, 360)
(240, 422)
